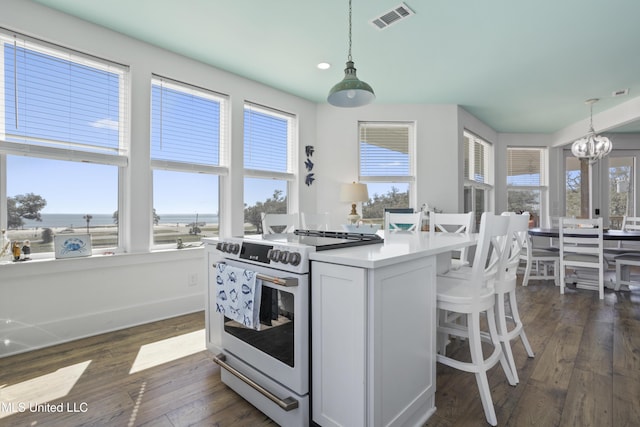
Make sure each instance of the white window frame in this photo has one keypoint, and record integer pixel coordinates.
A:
(291, 175)
(410, 178)
(489, 162)
(543, 187)
(222, 169)
(67, 151)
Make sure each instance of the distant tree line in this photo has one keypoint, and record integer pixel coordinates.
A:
(374, 208)
(24, 206)
(274, 204)
(277, 203)
(156, 217)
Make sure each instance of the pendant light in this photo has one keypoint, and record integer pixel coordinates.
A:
(350, 92)
(592, 147)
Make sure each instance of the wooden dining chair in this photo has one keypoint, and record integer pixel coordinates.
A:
(541, 263)
(453, 223)
(402, 222)
(279, 223)
(581, 247)
(626, 255)
(629, 223)
(314, 221)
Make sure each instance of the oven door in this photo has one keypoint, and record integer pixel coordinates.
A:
(280, 349)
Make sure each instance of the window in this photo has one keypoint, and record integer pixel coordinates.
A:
(187, 141)
(62, 142)
(269, 143)
(573, 187)
(526, 182)
(621, 194)
(387, 166)
(613, 179)
(478, 185)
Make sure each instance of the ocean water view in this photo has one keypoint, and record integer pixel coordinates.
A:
(101, 220)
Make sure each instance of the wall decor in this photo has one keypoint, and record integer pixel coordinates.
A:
(308, 164)
(308, 180)
(72, 246)
(309, 150)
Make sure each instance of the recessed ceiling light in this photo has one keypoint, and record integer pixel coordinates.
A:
(324, 65)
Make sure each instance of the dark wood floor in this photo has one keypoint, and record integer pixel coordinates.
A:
(586, 373)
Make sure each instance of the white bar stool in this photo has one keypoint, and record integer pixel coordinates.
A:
(505, 286)
(471, 294)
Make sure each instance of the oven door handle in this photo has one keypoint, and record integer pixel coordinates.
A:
(288, 403)
(282, 281)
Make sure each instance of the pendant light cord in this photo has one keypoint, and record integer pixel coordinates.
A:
(349, 57)
(591, 102)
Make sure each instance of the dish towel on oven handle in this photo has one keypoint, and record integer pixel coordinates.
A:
(238, 294)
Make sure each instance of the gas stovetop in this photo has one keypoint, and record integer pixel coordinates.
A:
(290, 251)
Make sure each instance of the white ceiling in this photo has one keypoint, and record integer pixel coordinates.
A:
(518, 66)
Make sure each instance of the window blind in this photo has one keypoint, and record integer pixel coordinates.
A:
(187, 123)
(384, 150)
(57, 97)
(267, 139)
(476, 159)
(525, 166)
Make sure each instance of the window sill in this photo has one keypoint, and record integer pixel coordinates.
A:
(34, 267)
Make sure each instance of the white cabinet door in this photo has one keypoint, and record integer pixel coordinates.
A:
(373, 344)
(401, 356)
(338, 347)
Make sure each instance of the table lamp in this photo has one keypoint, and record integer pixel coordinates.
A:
(354, 193)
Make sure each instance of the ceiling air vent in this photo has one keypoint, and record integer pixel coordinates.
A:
(392, 16)
(621, 92)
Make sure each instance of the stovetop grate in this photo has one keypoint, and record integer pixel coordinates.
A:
(347, 235)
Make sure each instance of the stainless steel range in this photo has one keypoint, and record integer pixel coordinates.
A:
(269, 364)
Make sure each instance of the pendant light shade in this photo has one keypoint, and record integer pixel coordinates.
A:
(592, 147)
(350, 92)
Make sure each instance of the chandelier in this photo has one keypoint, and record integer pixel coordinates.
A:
(591, 147)
(350, 92)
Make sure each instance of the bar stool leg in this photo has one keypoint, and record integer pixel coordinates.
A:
(475, 345)
(516, 318)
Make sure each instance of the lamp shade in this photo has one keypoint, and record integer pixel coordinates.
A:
(354, 192)
(350, 92)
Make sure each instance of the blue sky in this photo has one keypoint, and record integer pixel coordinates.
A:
(58, 102)
(67, 189)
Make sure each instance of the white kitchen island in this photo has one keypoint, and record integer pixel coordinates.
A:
(373, 330)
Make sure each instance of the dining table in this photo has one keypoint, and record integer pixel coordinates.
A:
(607, 234)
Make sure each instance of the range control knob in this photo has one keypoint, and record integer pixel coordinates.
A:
(283, 257)
(273, 254)
(219, 246)
(234, 248)
(294, 258)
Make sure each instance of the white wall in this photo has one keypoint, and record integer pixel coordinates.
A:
(46, 302)
(437, 152)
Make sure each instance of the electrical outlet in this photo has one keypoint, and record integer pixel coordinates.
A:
(193, 279)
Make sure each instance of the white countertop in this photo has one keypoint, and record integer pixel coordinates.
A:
(397, 247)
